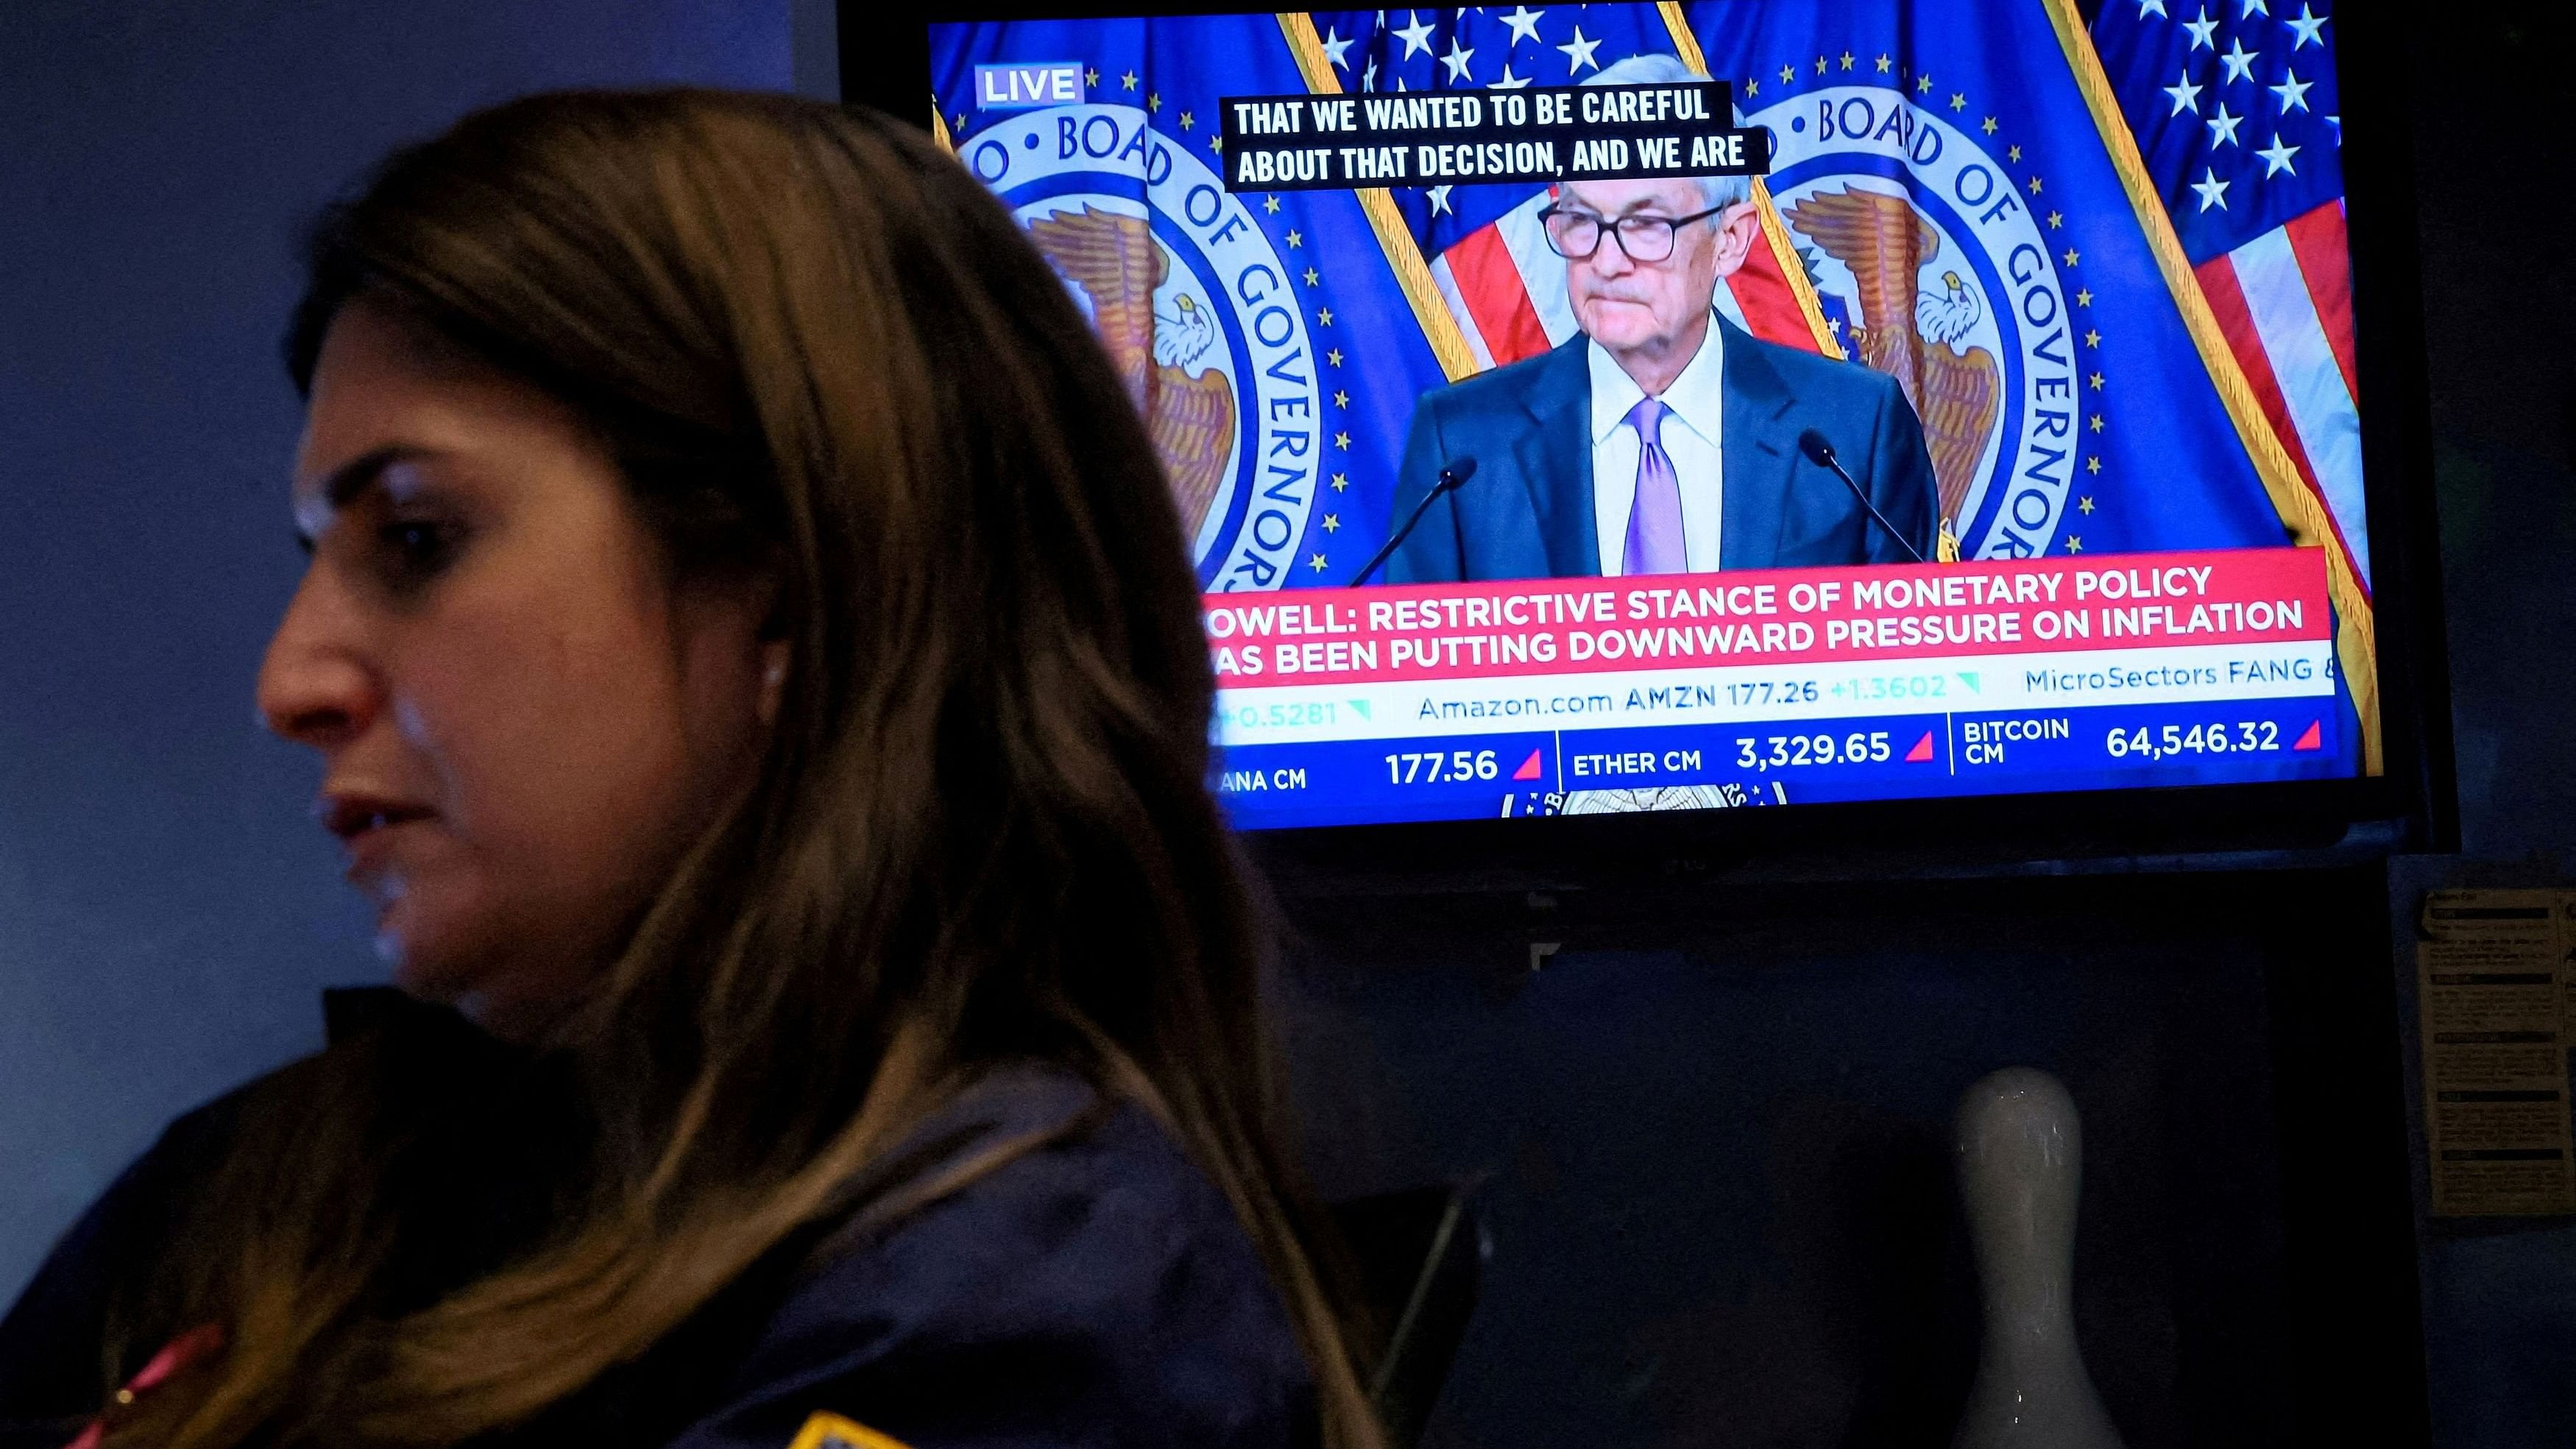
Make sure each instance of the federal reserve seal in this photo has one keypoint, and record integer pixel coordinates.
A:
(1193, 303)
(1948, 279)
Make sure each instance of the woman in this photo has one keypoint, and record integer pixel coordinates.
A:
(759, 684)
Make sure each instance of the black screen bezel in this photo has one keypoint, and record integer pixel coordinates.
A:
(885, 63)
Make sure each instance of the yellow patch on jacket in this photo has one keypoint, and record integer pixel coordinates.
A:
(831, 1431)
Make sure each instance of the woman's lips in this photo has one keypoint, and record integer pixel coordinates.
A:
(348, 814)
(372, 845)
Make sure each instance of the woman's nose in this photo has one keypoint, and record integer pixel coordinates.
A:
(315, 686)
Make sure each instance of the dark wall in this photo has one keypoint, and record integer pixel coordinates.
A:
(1712, 1137)
(2499, 306)
(2497, 218)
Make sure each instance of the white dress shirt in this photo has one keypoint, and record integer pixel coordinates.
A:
(1690, 436)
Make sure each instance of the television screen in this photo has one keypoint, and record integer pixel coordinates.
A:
(1577, 409)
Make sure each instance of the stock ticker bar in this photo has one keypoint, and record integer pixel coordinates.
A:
(1455, 701)
(1541, 134)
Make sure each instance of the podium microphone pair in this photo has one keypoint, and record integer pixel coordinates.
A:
(1456, 474)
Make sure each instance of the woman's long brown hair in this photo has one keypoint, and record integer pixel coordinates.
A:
(820, 350)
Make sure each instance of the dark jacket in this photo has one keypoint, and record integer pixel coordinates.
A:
(1527, 513)
(1095, 1290)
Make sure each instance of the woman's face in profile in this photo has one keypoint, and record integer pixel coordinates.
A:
(523, 721)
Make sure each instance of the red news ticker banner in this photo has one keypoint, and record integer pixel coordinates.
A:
(1773, 616)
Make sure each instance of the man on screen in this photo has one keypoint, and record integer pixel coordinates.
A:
(1661, 438)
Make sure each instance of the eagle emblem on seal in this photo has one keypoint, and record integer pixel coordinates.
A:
(1913, 335)
(1114, 259)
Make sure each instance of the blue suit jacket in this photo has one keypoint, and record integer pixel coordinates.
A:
(1528, 511)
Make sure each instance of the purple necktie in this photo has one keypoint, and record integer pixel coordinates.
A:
(1655, 519)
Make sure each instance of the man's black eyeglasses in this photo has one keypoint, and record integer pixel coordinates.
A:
(1576, 235)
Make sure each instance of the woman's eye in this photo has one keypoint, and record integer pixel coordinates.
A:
(416, 549)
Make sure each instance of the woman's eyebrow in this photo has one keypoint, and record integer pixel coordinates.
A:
(344, 484)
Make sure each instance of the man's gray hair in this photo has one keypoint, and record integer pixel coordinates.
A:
(1664, 70)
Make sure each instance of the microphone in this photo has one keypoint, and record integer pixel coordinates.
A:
(1452, 478)
(1821, 453)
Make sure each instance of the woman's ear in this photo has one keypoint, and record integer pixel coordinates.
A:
(773, 679)
(776, 646)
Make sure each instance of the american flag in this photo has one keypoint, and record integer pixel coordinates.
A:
(1483, 243)
(2233, 104)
